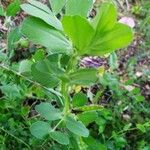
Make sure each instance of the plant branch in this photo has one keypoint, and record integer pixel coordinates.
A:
(127, 4)
(55, 127)
(64, 91)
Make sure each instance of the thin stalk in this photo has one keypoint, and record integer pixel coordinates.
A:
(29, 80)
(122, 132)
(55, 127)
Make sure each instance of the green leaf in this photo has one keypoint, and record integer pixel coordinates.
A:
(85, 77)
(13, 8)
(79, 31)
(88, 117)
(135, 91)
(113, 61)
(94, 144)
(40, 5)
(139, 98)
(106, 18)
(40, 129)
(120, 141)
(2, 13)
(109, 79)
(47, 111)
(76, 127)
(51, 63)
(101, 122)
(57, 5)
(79, 99)
(45, 35)
(127, 127)
(39, 55)
(12, 38)
(24, 43)
(11, 90)
(43, 77)
(78, 7)
(47, 72)
(64, 61)
(61, 138)
(118, 37)
(25, 66)
(109, 35)
(41, 11)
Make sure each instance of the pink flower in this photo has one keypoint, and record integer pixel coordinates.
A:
(128, 21)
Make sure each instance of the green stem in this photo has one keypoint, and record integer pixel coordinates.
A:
(64, 86)
(64, 89)
(55, 127)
